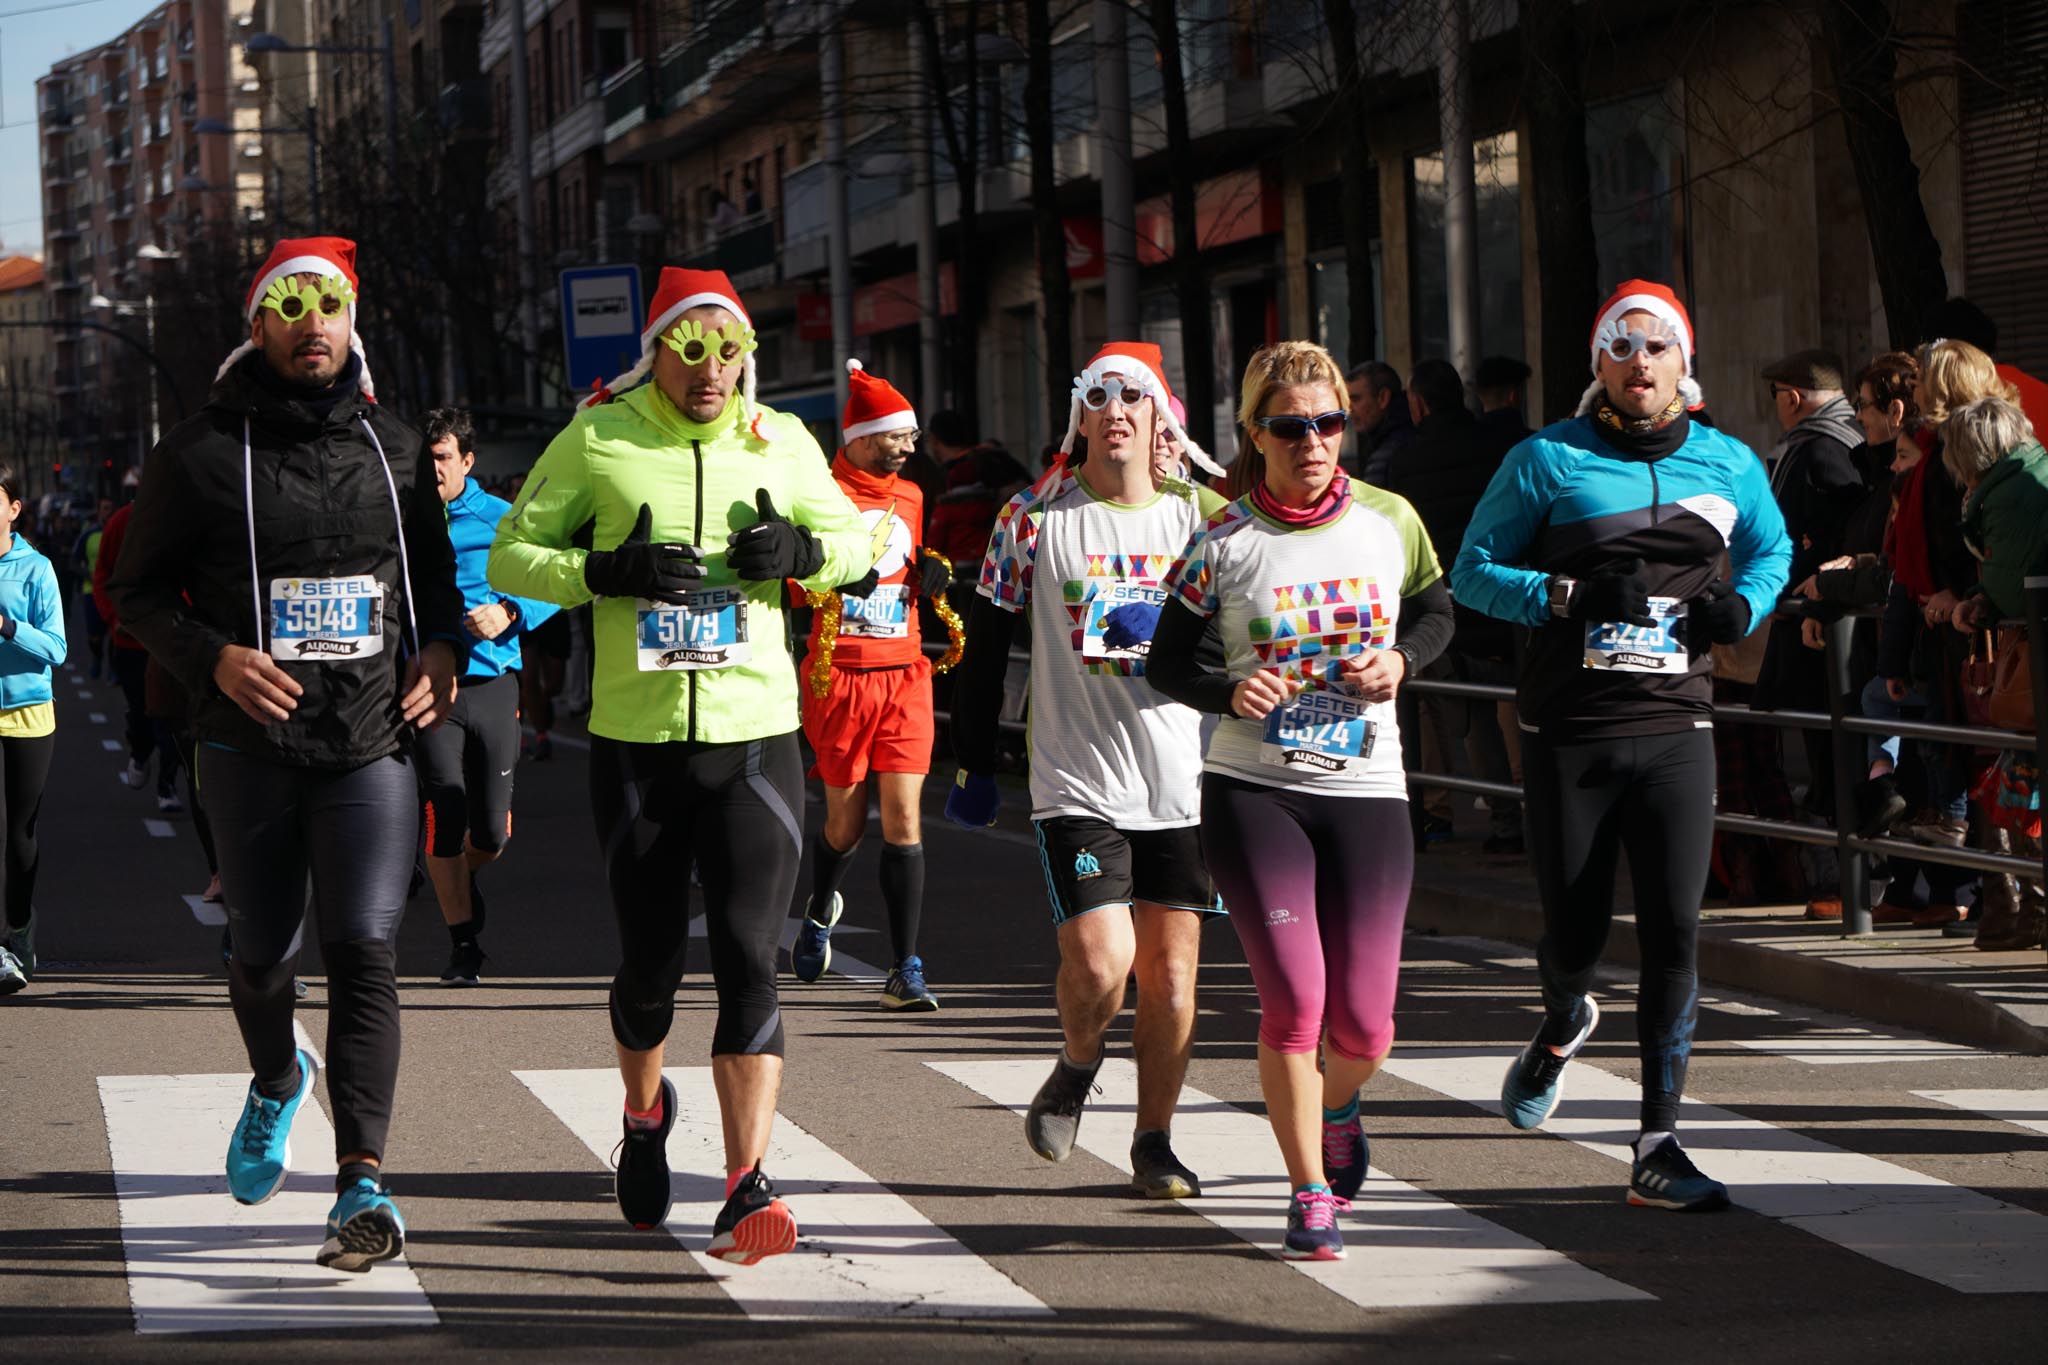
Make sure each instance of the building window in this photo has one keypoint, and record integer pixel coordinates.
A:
(1635, 151)
(1497, 178)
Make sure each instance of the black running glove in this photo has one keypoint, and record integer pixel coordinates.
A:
(933, 577)
(773, 547)
(1614, 595)
(664, 571)
(1719, 616)
(860, 587)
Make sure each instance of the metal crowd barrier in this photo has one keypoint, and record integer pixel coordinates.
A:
(1852, 851)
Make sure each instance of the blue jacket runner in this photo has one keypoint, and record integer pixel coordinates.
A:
(473, 518)
(1566, 502)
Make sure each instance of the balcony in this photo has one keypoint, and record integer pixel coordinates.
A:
(721, 38)
(466, 108)
(120, 207)
(120, 151)
(745, 251)
(625, 99)
(878, 182)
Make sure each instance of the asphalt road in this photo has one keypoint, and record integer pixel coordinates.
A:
(1892, 1191)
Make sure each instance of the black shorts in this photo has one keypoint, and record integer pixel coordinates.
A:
(1090, 863)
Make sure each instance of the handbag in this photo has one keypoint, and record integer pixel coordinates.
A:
(2012, 682)
(2008, 792)
(1980, 670)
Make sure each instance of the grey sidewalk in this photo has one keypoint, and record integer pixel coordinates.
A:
(1913, 978)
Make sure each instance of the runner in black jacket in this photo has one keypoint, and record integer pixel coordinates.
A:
(288, 560)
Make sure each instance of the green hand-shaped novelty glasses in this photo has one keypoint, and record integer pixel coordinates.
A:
(729, 343)
(291, 300)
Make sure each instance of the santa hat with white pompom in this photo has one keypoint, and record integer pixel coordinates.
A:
(675, 293)
(873, 405)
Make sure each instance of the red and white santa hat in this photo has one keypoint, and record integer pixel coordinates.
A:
(675, 293)
(1142, 364)
(873, 405)
(1642, 296)
(305, 256)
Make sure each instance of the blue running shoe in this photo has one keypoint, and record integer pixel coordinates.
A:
(1312, 1232)
(905, 989)
(260, 1152)
(811, 954)
(1667, 1179)
(1534, 1083)
(1346, 1155)
(363, 1228)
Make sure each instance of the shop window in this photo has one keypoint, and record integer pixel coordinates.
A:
(1497, 179)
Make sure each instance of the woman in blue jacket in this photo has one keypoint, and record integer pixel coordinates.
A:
(31, 644)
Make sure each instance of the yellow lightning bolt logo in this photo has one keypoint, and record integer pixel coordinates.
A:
(878, 539)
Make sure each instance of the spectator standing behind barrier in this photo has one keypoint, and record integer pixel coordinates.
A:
(1379, 414)
(980, 476)
(1443, 473)
(1990, 447)
(1816, 481)
(1502, 384)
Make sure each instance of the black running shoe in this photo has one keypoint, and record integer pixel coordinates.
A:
(1667, 1179)
(1157, 1173)
(465, 964)
(754, 1224)
(1054, 1120)
(641, 1184)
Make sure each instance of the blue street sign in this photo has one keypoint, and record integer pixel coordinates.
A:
(600, 323)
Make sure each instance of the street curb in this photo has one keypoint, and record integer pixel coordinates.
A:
(1885, 997)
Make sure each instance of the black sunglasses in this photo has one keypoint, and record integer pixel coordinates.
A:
(1288, 427)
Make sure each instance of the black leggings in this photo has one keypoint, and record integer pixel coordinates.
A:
(466, 765)
(352, 832)
(24, 768)
(732, 808)
(1586, 801)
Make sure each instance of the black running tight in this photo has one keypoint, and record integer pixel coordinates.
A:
(1587, 801)
(24, 769)
(351, 834)
(733, 809)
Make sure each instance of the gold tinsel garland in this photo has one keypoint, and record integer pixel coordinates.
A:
(831, 611)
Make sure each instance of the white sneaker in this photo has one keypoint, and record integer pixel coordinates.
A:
(169, 804)
(135, 774)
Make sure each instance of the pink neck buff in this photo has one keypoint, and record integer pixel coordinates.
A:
(1324, 510)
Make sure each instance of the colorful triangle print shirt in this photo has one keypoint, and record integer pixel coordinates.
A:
(1296, 602)
(1091, 575)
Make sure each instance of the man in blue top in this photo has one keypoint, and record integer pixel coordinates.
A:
(466, 765)
(1630, 540)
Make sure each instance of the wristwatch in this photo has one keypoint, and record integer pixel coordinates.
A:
(1562, 590)
(1408, 659)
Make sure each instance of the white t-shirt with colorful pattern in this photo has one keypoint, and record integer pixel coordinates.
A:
(1104, 743)
(1296, 602)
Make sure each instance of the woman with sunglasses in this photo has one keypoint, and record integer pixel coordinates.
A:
(1327, 595)
(1606, 535)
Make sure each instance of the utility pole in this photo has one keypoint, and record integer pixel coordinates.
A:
(1113, 151)
(522, 146)
(832, 89)
(929, 349)
(1461, 198)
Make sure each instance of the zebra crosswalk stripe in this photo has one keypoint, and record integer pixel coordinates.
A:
(2026, 1108)
(864, 1252)
(1406, 1248)
(199, 1262)
(1913, 1222)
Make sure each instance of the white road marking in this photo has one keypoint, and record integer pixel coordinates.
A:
(1924, 1226)
(84, 695)
(1839, 1047)
(199, 1262)
(112, 746)
(210, 914)
(97, 717)
(160, 829)
(1406, 1248)
(305, 1040)
(2027, 1108)
(862, 1251)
